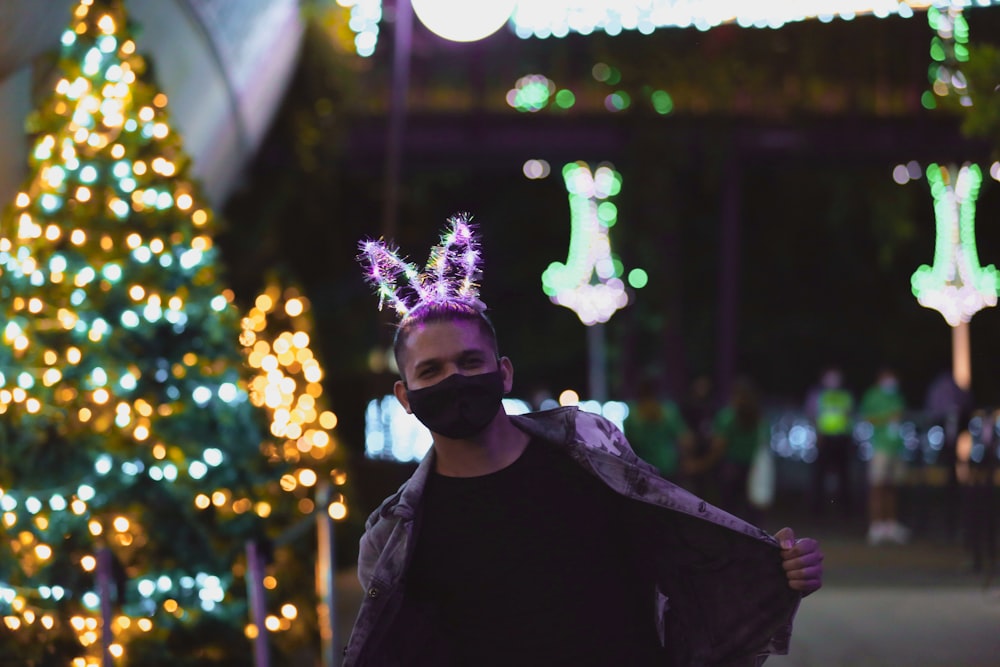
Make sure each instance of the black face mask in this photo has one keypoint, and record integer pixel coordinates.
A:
(458, 406)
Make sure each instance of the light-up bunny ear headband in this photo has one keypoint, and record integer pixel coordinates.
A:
(449, 278)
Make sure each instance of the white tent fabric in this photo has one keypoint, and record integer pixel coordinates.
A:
(223, 64)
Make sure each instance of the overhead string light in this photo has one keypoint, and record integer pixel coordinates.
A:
(363, 19)
(948, 51)
(558, 18)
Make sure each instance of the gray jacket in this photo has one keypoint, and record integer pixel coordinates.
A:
(728, 604)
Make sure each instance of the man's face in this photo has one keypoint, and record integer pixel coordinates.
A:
(435, 350)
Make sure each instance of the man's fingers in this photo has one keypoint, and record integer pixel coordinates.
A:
(803, 564)
(785, 537)
(805, 586)
(805, 553)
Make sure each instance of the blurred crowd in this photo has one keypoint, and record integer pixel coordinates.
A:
(864, 452)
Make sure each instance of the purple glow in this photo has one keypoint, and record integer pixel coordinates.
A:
(448, 278)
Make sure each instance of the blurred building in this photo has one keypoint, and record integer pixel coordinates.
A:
(223, 64)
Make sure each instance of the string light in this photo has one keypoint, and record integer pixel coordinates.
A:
(364, 18)
(949, 49)
(288, 384)
(559, 18)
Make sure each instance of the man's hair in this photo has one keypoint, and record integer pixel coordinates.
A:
(441, 311)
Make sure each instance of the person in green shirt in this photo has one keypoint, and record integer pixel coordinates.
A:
(737, 431)
(656, 430)
(882, 406)
(831, 408)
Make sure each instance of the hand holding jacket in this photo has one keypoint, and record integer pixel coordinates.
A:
(802, 560)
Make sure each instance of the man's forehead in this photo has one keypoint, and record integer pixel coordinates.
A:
(448, 333)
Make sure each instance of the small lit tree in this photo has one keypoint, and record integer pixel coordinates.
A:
(288, 385)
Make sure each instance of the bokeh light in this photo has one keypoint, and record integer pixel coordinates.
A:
(531, 93)
(462, 20)
(559, 18)
(536, 169)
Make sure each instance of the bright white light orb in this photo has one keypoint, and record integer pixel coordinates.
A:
(463, 20)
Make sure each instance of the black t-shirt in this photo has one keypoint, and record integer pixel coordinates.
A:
(530, 565)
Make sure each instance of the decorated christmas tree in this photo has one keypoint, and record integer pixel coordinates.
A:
(130, 452)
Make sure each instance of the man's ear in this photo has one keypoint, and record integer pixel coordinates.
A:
(399, 389)
(507, 371)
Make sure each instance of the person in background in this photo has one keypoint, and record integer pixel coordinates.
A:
(737, 431)
(542, 539)
(950, 407)
(882, 406)
(656, 430)
(978, 458)
(831, 409)
(699, 470)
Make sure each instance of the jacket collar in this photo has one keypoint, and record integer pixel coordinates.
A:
(557, 426)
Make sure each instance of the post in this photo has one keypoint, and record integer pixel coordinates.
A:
(729, 275)
(961, 356)
(402, 36)
(258, 610)
(596, 353)
(104, 577)
(325, 592)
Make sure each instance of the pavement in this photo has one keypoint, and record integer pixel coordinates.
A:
(913, 605)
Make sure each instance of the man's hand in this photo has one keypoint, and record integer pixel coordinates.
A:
(802, 560)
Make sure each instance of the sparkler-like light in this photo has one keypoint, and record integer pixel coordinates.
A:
(449, 276)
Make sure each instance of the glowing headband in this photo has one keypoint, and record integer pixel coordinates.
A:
(449, 278)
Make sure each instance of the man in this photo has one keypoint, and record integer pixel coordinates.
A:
(543, 539)
(657, 431)
(739, 431)
(882, 406)
(832, 412)
(950, 408)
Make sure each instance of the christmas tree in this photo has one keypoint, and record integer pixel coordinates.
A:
(131, 473)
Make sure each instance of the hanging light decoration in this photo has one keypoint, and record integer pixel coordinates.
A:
(589, 282)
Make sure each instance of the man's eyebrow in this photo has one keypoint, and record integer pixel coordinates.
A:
(423, 363)
(464, 354)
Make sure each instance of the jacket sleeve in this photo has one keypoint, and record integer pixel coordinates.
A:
(727, 596)
(372, 544)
